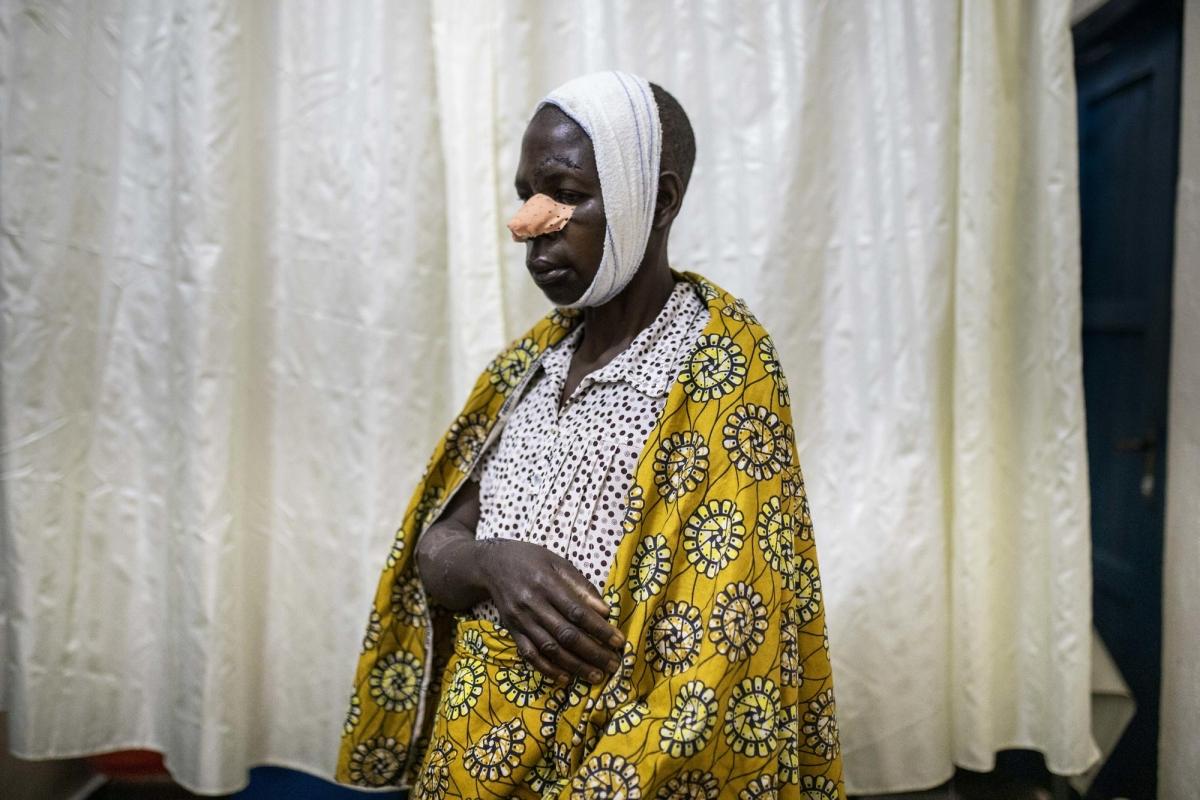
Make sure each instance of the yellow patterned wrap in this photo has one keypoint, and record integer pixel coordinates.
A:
(725, 690)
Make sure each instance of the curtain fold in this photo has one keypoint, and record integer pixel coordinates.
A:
(252, 253)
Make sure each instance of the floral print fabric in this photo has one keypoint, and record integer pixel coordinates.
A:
(725, 689)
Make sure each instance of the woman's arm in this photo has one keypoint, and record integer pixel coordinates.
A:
(446, 553)
(556, 617)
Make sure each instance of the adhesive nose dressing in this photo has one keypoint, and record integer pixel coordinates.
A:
(540, 215)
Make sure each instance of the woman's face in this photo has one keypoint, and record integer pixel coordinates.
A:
(557, 160)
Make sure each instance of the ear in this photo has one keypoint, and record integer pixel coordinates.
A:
(669, 200)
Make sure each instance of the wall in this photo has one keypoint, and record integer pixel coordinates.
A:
(1179, 754)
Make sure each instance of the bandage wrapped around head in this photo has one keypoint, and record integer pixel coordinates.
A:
(618, 113)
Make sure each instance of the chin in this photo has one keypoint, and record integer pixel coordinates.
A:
(560, 297)
(563, 292)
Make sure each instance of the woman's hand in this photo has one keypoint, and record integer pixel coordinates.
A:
(556, 617)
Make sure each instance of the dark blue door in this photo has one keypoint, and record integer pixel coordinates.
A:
(1127, 72)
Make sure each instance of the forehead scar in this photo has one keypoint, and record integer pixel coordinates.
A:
(550, 161)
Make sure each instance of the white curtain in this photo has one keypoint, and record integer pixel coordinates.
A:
(253, 254)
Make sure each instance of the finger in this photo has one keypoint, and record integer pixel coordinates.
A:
(582, 586)
(520, 621)
(550, 649)
(529, 652)
(596, 659)
(590, 617)
(596, 626)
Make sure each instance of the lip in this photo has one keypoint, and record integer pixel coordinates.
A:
(544, 271)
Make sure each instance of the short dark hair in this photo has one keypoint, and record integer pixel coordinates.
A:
(678, 140)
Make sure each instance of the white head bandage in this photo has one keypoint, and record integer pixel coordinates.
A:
(618, 113)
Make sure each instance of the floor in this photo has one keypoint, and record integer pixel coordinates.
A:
(266, 783)
(977, 786)
(271, 782)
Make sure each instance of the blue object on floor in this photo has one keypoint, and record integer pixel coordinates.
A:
(273, 783)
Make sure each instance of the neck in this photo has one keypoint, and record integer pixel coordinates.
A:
(609, 328)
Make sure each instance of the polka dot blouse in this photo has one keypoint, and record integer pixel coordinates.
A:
(559, 477)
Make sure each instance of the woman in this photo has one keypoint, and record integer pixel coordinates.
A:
(617, 519)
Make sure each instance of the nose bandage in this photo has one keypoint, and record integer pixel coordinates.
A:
(540, 215)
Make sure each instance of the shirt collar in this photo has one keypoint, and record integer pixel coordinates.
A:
(649, 362)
